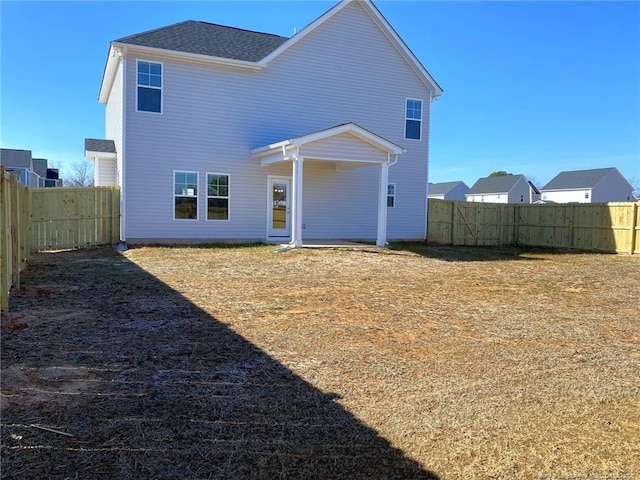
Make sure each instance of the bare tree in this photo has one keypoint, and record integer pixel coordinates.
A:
(81, 175)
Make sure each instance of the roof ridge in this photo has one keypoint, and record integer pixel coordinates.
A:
(237, 28)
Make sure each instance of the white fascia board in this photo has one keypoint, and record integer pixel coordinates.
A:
(109, 75)
(351, 128)
(194, 57)
(90, 155)
(356, 131)
(270, 149)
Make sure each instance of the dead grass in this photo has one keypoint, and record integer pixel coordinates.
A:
(413, 362)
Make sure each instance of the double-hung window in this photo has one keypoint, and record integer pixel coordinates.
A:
(149, 87)
(217, 196)
(391, 195)
(413, 119)
(185, 194)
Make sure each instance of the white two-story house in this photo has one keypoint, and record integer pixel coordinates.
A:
(588, 186)
(220, 134)
(503, 189)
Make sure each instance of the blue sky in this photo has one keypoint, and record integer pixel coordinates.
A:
(530, 87)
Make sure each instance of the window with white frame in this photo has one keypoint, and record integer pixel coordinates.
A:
(185, 193)
(217, 196)
(149, 87)
(391, 195)
(413, 119)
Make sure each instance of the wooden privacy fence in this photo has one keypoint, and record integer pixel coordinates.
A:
(603, 227)
(34, 219)
(74, 217)
(14, 234)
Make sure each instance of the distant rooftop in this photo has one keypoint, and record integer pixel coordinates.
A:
(10, 157)
(578, 179)
(443, 187)
(500, 184)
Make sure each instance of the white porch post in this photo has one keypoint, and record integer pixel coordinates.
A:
(296, 208)
(382, 205)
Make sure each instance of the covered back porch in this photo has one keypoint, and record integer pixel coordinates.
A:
(348, 166)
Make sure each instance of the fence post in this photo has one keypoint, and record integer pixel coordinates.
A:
(115, 215)
(634, 225)
(15, 231)
(4, 243)
(454, 221)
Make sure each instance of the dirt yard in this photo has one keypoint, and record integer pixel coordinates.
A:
(410, 363)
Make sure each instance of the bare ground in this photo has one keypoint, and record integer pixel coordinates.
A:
(414, 362)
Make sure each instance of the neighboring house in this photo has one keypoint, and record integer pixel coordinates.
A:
(32, 172)
(219, 134)
(588, 186)
(503, 189)
(448, 190)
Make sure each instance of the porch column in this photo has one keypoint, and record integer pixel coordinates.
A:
(296, 207)
(382, 205)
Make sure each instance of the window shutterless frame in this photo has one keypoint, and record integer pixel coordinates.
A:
(218, 197)
(149, 86)
(185, 195)
(413, 119)
(391, 195)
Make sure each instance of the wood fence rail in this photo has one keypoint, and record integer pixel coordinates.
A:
(601, 227)
(34, 219)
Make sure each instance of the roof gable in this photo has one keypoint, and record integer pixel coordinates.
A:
(501, 184)
(202, 38)
(386, 29)
(348, 128)
(578, 179)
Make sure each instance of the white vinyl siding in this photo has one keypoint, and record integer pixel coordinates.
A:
(105, 172)
(114, 116)
(339, 73)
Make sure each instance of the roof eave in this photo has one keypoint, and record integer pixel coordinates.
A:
(196, 57)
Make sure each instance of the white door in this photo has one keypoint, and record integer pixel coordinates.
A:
(279, 209)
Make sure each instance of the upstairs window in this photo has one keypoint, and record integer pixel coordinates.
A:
(149, 87)
(185, 195)
(217, 196)
(413, 119)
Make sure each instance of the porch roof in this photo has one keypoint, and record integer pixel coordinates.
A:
(287, 150)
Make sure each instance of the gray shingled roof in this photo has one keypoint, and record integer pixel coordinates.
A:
(209, 39)
(443, 188)
(578, 179)
(10, 157)
(98, 145)
(501, 184)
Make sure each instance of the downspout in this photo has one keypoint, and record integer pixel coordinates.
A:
(123, 178)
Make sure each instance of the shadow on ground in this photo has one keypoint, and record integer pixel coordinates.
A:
(110, 374)
(462, 253)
